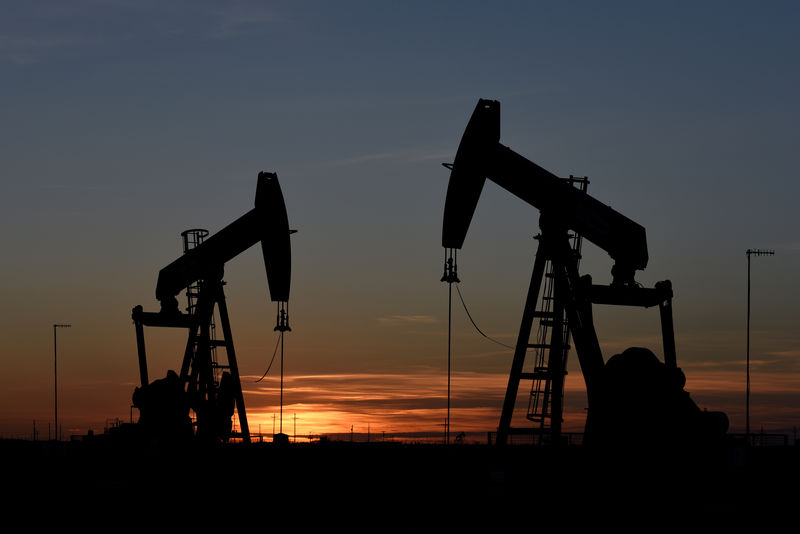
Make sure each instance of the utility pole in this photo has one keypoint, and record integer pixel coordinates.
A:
(55, 373)
(750, 252)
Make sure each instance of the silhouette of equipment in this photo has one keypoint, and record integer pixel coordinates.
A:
(205, 386)
(631, 394)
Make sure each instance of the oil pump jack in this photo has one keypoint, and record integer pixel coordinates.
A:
(205, 386)
(633, 393)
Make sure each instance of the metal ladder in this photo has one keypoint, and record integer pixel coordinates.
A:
(540, 402)
(219, 372)
(550, 346)
(191, 239)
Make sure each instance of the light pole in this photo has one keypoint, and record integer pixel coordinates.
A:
(750, 252)
(55, 372)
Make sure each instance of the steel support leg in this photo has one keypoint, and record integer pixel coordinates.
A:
(667, 327)
(522, 345)
(233, 366)
(142, 354)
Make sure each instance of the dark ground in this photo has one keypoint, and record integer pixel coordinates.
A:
(397, 487)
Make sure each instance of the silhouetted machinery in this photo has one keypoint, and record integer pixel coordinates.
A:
(206, 386)
(633, 394)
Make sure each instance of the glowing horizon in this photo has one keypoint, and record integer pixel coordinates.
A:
(415, 402)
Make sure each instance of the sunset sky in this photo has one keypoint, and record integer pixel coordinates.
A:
(126, 122)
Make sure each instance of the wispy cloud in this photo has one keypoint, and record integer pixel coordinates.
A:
(407, 319)
(88, 26)
(443, 156)
(24, 50)
(76, 187)
(400, 402)
(410, 155)
(239, 19)
(794, 355)
(416, 401)
(364, 158)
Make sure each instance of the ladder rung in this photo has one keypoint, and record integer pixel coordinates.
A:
(543, 314)
(566, 346)
(536, 375)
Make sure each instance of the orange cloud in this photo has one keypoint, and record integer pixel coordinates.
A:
(391, 403)
(416, 402)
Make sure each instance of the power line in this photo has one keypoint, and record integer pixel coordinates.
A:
(271, 361)
(475, 325)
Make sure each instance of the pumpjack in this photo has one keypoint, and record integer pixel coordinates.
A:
(631, 394)
(205, 386)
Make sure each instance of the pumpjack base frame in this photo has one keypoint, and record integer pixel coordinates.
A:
(196, 376)
(575, 295)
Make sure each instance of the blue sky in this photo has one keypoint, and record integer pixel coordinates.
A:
(127, 122)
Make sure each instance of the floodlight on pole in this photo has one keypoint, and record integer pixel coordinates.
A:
(750, 252)
(55, 373)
